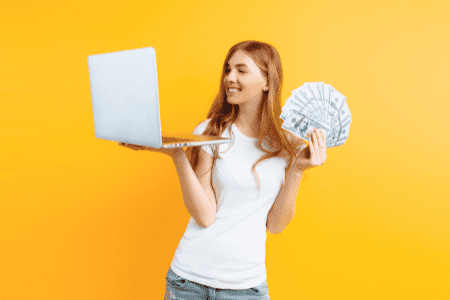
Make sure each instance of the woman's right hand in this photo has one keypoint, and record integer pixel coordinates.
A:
(171, 152)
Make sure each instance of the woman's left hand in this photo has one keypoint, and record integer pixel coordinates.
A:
(313, 155)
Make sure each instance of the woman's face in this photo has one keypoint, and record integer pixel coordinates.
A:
(243, 74)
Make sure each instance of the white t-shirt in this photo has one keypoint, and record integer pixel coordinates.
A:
(230, 253)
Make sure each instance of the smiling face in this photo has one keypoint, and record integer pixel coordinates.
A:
(243, 74)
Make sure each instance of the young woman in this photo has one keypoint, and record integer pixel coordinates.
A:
(236, 192)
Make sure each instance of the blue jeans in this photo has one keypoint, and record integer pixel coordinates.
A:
(179, 288)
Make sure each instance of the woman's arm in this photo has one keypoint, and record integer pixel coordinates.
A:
(198, 195)
(283, 208)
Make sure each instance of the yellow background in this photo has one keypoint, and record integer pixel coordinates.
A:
(83, 218)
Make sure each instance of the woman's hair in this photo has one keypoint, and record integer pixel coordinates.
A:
(223, 114)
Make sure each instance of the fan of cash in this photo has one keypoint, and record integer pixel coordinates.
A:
(315, 105)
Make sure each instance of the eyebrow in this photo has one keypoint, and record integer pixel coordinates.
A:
(238, 65)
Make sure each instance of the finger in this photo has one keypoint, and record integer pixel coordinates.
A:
(323, 146)
(324, 136)
(313, 149)
(316, 140)
(308, 135)
(322, 132)
(321, 136)
(311, 146)
(324, 139)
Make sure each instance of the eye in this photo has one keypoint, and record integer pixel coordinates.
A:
(226, 71)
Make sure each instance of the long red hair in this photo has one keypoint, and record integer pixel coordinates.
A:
(223, 114)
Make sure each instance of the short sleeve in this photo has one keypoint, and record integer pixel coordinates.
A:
(199, 130)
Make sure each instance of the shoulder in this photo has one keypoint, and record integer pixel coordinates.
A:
(201, 127)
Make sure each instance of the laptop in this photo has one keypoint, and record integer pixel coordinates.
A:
(125, 102)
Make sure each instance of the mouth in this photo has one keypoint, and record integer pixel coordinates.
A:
(232, 91)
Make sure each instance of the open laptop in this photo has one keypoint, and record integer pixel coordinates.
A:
(125, 102)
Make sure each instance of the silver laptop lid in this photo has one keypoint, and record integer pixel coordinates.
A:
(124, 92)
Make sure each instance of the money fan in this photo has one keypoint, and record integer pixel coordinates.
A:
(315, 105)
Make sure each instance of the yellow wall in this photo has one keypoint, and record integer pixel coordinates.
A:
(83, 218)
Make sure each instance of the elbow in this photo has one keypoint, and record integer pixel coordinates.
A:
(207, 223)
(210, 222)
(273, 231)
(210, 217)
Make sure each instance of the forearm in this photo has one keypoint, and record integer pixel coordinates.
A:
(199, 206)
(283, 208)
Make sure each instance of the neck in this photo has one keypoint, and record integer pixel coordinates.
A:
(249, 119)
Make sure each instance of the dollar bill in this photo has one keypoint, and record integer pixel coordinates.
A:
(313, 95)
(300, 125)
(317, 105)
(336, 102)
(312, 117)
(339, 133)
(316, 88)
(306, 93)
(327, 96)
(287, 109)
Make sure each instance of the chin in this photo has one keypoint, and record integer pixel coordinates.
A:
(233, 100)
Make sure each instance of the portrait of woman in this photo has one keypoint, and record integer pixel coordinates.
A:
(237, 192)
(249, 202)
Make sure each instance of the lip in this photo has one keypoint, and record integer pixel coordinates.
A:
(234, 88)
(230, 93)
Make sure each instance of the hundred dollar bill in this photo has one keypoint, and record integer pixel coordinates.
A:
(344, 113)
(287, 109)
(313, 96)
(343, 133)
(316, 88)
(314, 105)
(336, 102)
(339, 134)
(341, 118)
(322, 90)
(300, 125)
(336, 145)
(327, 93)
(312, 117)
(305, 94)
(320, 86)
(298, 106)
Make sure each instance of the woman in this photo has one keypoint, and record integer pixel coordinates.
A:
(235, 192)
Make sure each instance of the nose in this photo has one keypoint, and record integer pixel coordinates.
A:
(230, 77)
